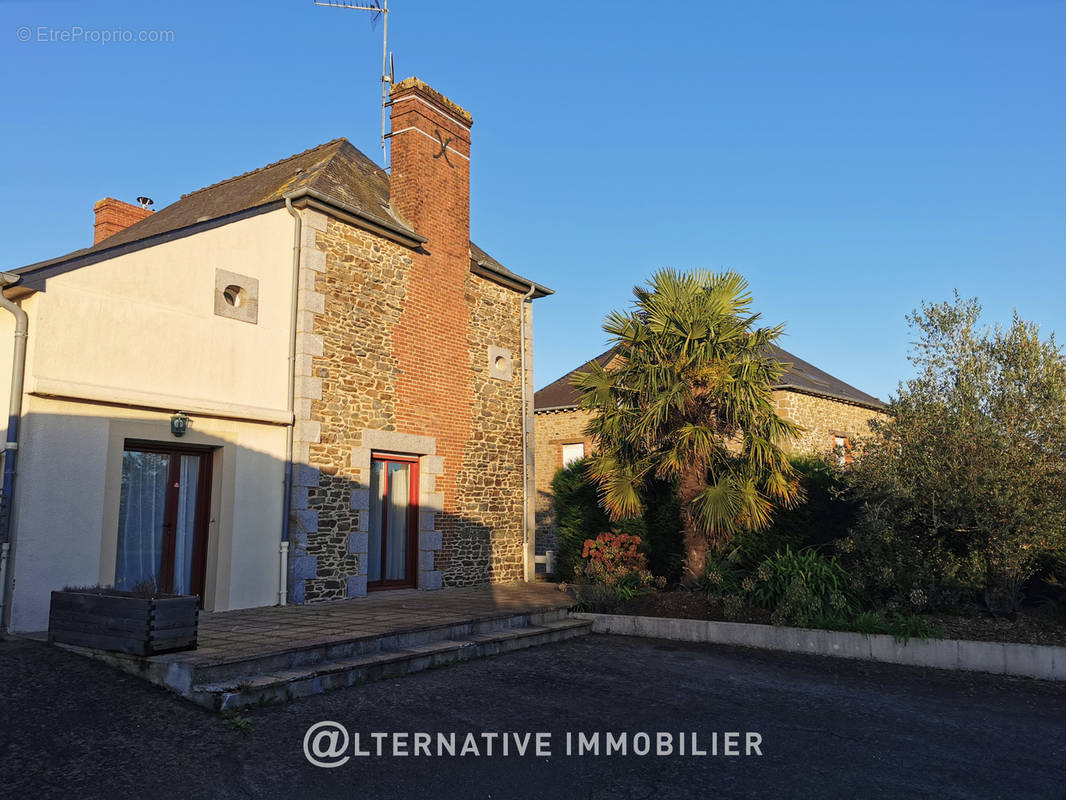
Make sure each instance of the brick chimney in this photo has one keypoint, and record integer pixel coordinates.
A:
(430, 190)
(113, 216)
(430, 180)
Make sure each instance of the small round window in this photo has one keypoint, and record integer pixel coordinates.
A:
(501, 364)
(234, 295)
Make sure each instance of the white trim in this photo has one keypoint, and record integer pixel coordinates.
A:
(412, 128)
(441, 111)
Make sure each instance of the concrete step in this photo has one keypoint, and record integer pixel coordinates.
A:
(244, 689)
(300, 656)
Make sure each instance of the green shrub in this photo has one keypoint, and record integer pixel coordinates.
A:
(664, 536)
(579, 516)
(964, 486)
(805, 589)
(897, 568)
(798, 587)
(825, 515)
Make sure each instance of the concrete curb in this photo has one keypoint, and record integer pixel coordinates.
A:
(1025, 660)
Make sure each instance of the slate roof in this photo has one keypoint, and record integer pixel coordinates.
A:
(802, 376)
(335, 170)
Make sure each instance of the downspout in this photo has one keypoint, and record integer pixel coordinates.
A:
(527, 562)
(286, 506)
(14, 416)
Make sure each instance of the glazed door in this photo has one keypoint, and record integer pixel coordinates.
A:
(393, 522)
(163, 516)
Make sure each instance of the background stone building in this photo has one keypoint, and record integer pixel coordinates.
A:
(834, 416)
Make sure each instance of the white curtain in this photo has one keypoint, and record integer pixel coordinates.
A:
(396, 528)
(141, 515)
(186, 533)
(377, 504)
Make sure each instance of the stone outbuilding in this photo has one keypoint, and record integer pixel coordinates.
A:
(833, 414)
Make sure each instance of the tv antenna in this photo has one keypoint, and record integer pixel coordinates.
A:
(380, 11)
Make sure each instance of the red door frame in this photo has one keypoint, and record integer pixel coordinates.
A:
(202, 515)
(409, 579)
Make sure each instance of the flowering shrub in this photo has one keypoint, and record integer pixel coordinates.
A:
(615, 563)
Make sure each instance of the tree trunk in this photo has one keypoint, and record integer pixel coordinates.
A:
(692, 483)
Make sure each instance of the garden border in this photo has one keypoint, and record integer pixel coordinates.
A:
(1001, 658)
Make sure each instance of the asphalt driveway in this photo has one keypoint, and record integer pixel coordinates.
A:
(828, 728)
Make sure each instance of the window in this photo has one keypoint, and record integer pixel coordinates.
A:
(842, 450)
(163, 517)
(572, 453)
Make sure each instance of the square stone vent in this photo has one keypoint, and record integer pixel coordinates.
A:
(236, 296)
(499, 363)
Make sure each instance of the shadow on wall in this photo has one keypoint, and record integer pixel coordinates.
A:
(333, 556)
(107, 500)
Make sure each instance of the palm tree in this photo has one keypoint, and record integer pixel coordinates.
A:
(688, 398)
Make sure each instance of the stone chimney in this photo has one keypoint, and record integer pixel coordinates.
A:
(113, 216)
(430, 180)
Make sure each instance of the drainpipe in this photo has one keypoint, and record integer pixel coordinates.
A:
(525, 446)
(286, 507)
(14, 416)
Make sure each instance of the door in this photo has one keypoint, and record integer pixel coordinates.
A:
(163, 518)
(393, 522)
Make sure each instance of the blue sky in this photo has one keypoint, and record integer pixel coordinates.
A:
(850, 159)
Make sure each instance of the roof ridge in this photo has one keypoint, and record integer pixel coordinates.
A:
(322, 146)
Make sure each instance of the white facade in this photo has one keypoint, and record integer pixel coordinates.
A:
(114, 350)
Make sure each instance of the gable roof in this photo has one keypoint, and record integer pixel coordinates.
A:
(335, 173)
(801, 376)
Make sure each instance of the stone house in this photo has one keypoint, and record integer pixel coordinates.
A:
(834, 415)
(298, 384)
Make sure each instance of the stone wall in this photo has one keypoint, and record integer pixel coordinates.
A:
(483, 536)
(553, 429)
(822, 418)
(366, 382)
(352, 288)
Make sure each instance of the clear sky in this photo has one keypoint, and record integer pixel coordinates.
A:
(850, 159)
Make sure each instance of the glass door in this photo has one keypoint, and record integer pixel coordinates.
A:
(163, 518)
(393, 522)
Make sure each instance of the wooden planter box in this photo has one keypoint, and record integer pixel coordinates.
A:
(109, 619)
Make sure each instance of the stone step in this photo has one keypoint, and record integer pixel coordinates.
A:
(300, 656)
(247, 689)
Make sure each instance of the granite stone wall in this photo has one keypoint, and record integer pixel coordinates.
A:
(483, 537)
(358, 393)
(823, 419)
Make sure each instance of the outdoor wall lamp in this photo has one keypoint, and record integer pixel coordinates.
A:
(179, 423)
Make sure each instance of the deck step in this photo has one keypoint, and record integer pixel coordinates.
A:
(299, 656)
(242, 690)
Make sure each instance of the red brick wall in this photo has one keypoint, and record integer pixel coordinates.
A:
(430, 189)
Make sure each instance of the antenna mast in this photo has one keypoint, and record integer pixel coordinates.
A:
(380, 10)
